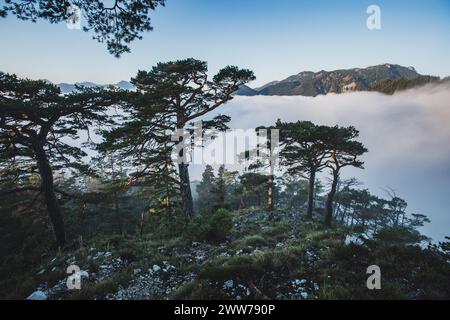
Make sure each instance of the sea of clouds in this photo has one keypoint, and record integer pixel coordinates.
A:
(407, 134)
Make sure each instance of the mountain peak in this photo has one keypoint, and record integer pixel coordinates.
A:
(309, 83)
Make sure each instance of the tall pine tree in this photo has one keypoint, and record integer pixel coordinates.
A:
(34, 119)
(169, 98)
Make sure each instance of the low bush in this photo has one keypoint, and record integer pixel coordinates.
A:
(213, 228)
(254, 241)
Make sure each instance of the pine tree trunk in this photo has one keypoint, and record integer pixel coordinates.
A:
(344, 216)
(329, 202)
(242, 203)
(54, 211)
(270, 204)
(312, 180)
(337, 210)
(117, 213)
(141, 225)
(222, 197)
(186, 193)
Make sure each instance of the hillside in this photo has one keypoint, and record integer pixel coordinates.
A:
(246, 91)
(386, 78)
(127, 224)
(391, 86)
(253, 257)
(308, 83)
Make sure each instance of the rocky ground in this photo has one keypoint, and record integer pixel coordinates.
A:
(160, 280)
(279, 258)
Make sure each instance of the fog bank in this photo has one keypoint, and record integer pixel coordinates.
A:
(407, 135)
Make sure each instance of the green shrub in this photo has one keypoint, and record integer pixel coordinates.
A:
(166, 227)
(101, 290)
(213, 228)
(198, 290)
(253, 241)
(127, 254)
(252, 267)
(278, 231)
(287, 260)
(399, 235)
(222, 268)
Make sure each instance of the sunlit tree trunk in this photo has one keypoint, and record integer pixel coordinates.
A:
(330, 197)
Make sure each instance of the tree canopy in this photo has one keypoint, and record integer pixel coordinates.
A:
(304, 151)
(117, 24)
(36, 122)
(343, 151)
(169, 98)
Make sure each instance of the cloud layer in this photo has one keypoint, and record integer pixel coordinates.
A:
(407, 134)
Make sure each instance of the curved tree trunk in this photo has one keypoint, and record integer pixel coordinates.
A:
(330, 197)
(309, 209)
(186, 193)
(54, 211)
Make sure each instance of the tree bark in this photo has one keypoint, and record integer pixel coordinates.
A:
(53, 208)
(117, 212)
(330, 197)
(141, 225)
(186, 193)
(242, 203)
(270, 204)
(309, 209)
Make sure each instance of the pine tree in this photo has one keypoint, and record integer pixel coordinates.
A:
(264, 159)
(343, 151)
(304, 152)
(207, 200)
(169, 98)
(34, 118)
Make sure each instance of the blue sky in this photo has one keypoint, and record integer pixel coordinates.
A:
(273, 38)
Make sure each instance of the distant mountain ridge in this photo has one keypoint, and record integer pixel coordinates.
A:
(308, 83)
(386, 78)
(71, 87)
(391, 86)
